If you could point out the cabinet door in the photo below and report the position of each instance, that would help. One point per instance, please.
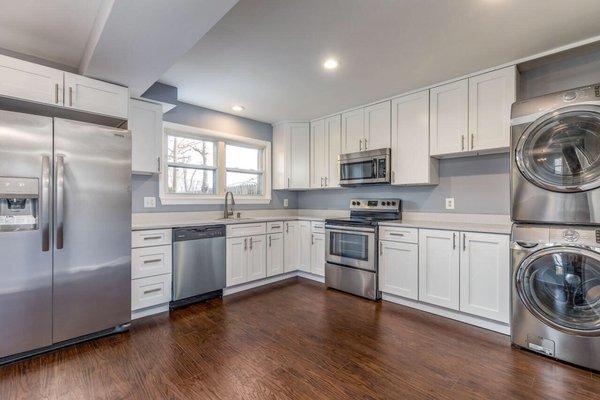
(353, 131)
(377, 126)
(237, 261)
(280, 157)
(145, 123)
(32, 82)
(333, 130)
(449, 118)
(257, 257)
(318, 153)
(299, 154)
(317, 254)
(291, 246)
(411, 163)
(490, 98)
(91, 95)
(305, 245)
(485, 275)
(439, 267)
(274, 254)
(399, 269)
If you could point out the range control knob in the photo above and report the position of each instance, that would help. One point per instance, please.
(358, 203)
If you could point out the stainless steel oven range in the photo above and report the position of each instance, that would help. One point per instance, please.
(351, 258)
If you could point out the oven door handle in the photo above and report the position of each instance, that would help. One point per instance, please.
(342, 229)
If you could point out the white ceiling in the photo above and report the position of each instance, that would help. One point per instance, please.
(56, 30)
(267, 54)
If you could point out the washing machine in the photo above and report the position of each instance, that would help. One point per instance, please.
(555, 158)
(555, 297)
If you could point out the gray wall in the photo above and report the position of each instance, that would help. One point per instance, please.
(479, 185)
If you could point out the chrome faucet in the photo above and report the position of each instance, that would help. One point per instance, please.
(228, 212)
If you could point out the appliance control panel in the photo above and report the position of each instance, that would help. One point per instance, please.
(387, 205)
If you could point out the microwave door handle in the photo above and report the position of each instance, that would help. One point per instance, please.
(375, 173)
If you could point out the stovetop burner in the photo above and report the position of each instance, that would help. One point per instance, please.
(371, 212)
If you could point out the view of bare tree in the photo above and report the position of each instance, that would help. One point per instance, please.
(186, 151)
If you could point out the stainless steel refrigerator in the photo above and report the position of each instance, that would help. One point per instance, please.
(65, 232)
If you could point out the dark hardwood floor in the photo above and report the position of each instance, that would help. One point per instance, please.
(296, 340)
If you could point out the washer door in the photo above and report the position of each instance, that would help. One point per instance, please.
(561, 287)
(560, 151)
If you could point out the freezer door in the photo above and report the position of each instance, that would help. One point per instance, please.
(92, 249)
(25, 251)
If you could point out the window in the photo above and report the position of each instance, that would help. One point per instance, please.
(200, 166)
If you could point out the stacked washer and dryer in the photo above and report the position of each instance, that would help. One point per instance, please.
(555, 242)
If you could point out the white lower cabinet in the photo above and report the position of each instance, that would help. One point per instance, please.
(439, 268)
(305, 246)
(317, 254)
(291, 246)
(246, 259)
(275, 254)
(485, 275)
(257, 260)
(151, 291)
(399, 268)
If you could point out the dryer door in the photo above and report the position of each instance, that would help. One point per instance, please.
(560, 151)
(561, 287)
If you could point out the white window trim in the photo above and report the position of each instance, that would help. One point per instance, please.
(221, 137)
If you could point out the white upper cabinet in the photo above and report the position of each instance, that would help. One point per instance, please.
(317, 254)
(86, 94)
(377, 126)
(353, 131)
(439, 267)
(333, 130)
(490, 99)
(411, 163)
(449, 118)
(319, 154)
(275, 254)
(145, 124)
(399, 269)
(31, 82)
(291, 246)
(485, 275)
(291, 155)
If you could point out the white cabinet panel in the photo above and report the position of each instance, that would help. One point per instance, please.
(153, 237)
(151, 261)
(86, 94)
(32, 82)
(353, 131)
(399, 234)
(319, 153)
(411, 163)
(449, 118)
(299, 154)
(145, 124)
(305, 240)
(490, 98)
(485, 275)
(439, 268)
(151, 291)
(399, 269)
(259, 228)
(291, 246)
(275, 227)
(333, 130)
(377, 126)
(280, 167)
(257, 257)
(317, 254)
(275, 254)
(236, 261)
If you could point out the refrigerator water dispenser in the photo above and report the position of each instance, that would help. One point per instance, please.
(18, 204)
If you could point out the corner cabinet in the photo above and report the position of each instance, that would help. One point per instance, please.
(145, 124)
(291, 155)
(325, 148)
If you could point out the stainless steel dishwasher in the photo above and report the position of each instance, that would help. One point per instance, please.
(198, 263)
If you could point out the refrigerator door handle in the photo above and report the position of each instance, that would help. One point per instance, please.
(60, 200)
(45, 203)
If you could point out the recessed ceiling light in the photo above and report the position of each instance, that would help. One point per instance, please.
(238, 108)
(330, 63)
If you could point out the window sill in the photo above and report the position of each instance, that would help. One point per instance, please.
(169, 200)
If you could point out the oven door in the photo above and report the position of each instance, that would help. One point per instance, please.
(350, 246)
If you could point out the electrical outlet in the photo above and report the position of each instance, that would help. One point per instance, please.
(449, 203)
(285, 202)
(149, 202)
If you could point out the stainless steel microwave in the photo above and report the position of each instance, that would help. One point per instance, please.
(365, 167)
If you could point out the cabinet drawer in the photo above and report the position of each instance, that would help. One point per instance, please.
(151, 261)
(155, 237)
(237, 230)
(275, 227)
(399, 234)
(152, 291)
(317, 227)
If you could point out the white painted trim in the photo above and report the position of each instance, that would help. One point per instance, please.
(144, 312)
(99, 23)
(312, 277)
(452, 314)
(261, 282)
(483, 71)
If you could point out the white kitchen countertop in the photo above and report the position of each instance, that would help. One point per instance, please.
(200, 222)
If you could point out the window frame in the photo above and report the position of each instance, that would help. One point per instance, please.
(221, 139)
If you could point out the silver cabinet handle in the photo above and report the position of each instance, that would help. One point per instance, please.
(365, 139)
(270, 239)
(462, 142)
(275, 226)
(360, 145)
(245, 243)
(154, 260)
(287, 227)
(326, 179)
(464, 242)
(380, 248)
(453, 241)
(152, 290)
(472, 141)
(250, 243)
(312, 238)
(70, 96)
(396, 234)
(45, 203)
(288, 179)
(60, 201)
(158, 164)
(321, 181)
(56, 93)
(152, 237)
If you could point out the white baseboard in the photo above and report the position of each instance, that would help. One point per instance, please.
(444, 312)
(149, 311)
(258, 283)
(313, 277)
